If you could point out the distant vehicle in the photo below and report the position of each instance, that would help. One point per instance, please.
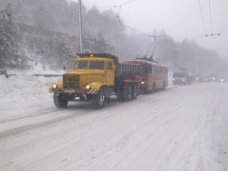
(205, 79)
(154, 75)
(197, 78)
(181, 77)
(213, 78)
(222, 80)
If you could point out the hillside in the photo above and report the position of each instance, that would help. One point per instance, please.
(102, 32)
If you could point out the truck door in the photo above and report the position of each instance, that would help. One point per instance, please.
(110, 73)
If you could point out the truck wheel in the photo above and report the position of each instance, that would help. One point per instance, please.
(154, 88)
(135, 91)
(98, 100)
(164, 85)
(120, 96)
(127, 93)
(60, 101)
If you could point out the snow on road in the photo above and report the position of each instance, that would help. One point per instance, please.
(179, 129)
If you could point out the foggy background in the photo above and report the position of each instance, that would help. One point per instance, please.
(46, 32)
(180, 19)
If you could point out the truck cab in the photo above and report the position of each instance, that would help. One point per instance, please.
(91, 75)
(181, 78)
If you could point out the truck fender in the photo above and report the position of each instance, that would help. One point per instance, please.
(94, 87)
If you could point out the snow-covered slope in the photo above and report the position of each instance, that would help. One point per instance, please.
(24, 93)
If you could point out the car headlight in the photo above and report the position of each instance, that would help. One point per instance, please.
(173, 79)
(87, 87)
(142, 82)
(184, 80)
(54, 86)
(222, 80)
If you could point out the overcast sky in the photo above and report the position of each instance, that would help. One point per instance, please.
(179, 18)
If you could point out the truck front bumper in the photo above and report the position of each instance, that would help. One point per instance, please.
(67, 91)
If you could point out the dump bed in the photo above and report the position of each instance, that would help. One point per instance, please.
(125, 69)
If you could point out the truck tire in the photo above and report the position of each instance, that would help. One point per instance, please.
(127, 93)
(119, 96)
(154, 88)
(164, 85)
(134, 91)
(98, 100)
(60, 101)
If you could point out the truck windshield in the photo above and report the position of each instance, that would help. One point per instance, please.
(90, 65)
(81, 65)
(96, 65)
(179, 74)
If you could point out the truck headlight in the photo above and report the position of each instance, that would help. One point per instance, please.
(54, 86)
(142, 82)
(87, 87)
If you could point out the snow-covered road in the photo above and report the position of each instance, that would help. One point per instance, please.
(179, 129)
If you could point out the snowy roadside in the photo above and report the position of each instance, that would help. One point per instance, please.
(24, 94)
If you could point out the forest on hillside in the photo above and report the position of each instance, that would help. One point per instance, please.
(103, 32)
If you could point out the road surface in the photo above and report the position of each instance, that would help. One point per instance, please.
(183, 128)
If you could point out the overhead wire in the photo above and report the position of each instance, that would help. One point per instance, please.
(143, 33)
(120, 6)
(202, 18)
(210, 15)
(211, 25)
(128, 2)
(212, 41)
(203, 22)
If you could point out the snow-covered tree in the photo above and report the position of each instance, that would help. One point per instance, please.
(8, 40)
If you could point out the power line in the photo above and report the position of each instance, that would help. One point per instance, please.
(128, 2)
(141, 32)
(202, 18)
(203, 22)
(152, 43)
(211, 28)
(120, 6)
(136, 30)
(209, 5)
(211, 34)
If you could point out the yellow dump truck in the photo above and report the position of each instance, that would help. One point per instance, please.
(96, 77)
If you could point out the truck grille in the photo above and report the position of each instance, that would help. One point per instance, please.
(71, 81)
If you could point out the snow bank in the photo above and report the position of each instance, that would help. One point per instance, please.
(24, 87)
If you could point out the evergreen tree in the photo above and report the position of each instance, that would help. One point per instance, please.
(8, 41)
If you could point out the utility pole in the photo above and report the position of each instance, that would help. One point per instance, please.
(80, 25)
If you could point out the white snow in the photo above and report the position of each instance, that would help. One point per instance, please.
(181, 128)
(24, 93)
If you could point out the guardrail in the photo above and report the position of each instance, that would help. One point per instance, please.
(4, 72)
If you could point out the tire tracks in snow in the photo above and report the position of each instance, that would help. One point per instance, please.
(55, 117)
